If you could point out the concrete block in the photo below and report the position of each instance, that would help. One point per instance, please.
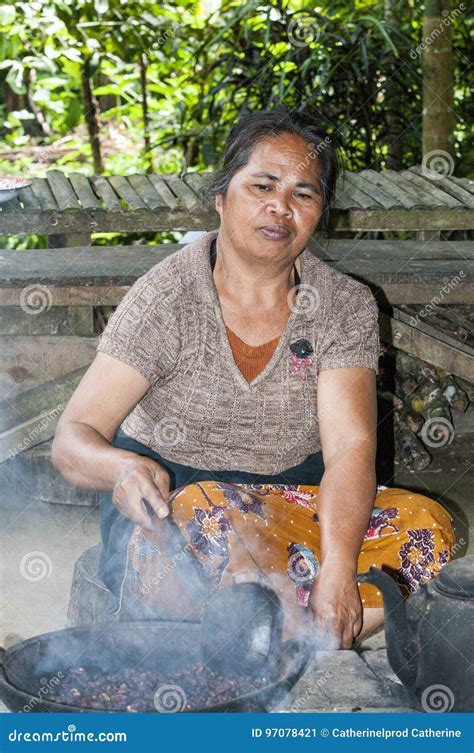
(340, 681)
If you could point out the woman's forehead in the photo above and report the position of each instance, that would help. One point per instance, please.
(282, 155)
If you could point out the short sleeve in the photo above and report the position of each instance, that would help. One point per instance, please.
(352, 336)
(143, 331)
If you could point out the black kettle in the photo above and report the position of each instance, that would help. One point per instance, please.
(430, 643)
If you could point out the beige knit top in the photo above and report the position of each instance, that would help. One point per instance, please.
(200, 410)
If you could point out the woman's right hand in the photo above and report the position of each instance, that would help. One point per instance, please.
(141, 479)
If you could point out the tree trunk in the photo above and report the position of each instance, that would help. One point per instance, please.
(146, 119)
(438, 112)
(91, 112)
(393, 119)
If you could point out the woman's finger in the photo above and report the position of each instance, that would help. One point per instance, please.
(154, 497)
(357, 627)
(135, 511)
(347, 637)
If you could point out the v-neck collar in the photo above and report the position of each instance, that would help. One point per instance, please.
(226, 347)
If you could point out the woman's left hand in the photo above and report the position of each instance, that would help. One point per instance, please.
(336, 607)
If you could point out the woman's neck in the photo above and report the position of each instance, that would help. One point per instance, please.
(258, 286)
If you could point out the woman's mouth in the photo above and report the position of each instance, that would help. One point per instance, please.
(275, 232)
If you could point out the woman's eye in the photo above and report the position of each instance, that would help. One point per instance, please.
(262, 186)
(303, 195)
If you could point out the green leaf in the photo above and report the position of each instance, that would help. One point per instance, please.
(382, 30)
(7, 15)
(14, 78)
(73, 114)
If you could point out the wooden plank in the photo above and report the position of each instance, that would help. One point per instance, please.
(162, 189)
(334, 249)
(465, 183)
(36, 430)
(399, 291)
(407, 187)
(413, 319)
(105, 191)
(89, 278)
(26, 362)
(69, 239)
(205, 218)
(146, 191)
(43, 193)
(81, 295)
(197, 182)
(349, 196)
(118, 221)
(62, 190)
(84, 192)
(28, 199)
(31, 418)
(454, 360)
(399, 197)
(406, 219)
(449, 186)
(43, 397)
(86, 265)
(391, 270)
(123, 188)
(57, 320)
(441, 198)
(115, 264)
(380, 197)
(184, 194)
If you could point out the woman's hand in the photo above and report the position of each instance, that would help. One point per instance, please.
(337, 608)
(142, 479)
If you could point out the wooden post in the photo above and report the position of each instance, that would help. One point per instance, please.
(438, 106)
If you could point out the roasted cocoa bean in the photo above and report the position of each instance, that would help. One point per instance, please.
(134, 690)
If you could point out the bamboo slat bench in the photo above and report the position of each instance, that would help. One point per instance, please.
(69, 209)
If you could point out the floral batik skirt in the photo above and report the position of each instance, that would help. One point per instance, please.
(270, 533)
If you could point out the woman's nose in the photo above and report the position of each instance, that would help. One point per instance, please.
(279, 204)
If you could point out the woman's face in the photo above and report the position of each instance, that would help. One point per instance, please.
(273, 204)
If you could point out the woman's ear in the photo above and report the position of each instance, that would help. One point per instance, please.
(219, 204)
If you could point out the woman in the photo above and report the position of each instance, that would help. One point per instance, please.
(226, 376)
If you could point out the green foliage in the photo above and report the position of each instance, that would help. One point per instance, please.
(200, 69)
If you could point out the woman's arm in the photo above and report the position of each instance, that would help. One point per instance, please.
(347, 412)
(82, 449)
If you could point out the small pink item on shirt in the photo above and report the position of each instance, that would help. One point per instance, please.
(299, 366)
